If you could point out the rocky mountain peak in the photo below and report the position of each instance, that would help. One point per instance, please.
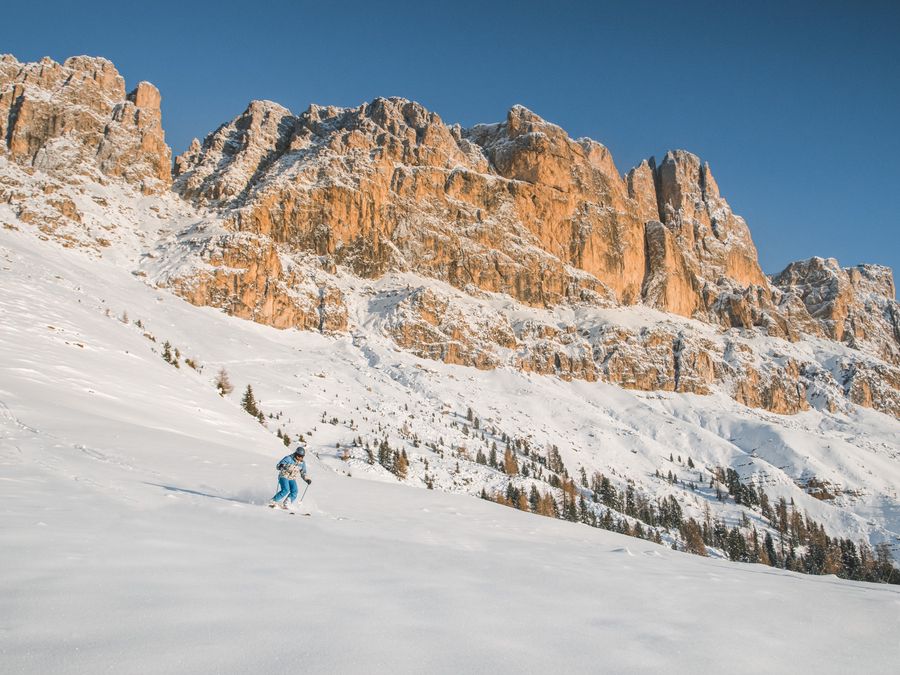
(222, 167)
(146, 97)
(520, 120)
(395, 114)
(701, 260)
(75, 117)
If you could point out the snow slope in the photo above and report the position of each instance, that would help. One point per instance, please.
(133, 538)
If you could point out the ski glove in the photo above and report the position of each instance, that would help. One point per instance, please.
(308, 481)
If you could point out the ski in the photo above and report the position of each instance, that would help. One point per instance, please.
(275, 507)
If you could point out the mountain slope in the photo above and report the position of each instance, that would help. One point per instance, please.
(134, 533)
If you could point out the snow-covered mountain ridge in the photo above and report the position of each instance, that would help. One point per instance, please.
(506, 247)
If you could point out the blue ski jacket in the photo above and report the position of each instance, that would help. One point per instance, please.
(290, 468)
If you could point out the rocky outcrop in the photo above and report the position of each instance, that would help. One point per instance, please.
(247, 280)
(245, 277)
(715, 240)
(434, 327)
(873, 385)
(660, 357)
(76, 118)
(670, 284)
(854, 305)
(700, 258)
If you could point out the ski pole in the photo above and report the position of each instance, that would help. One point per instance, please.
(304, 492)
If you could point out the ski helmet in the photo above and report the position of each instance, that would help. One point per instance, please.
(300, 451)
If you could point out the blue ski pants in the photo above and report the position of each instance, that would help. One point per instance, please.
(288, 487)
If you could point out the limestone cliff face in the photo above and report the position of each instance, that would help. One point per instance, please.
(700, 257)
(245, 277)
(389, 186)
(516, 207)
(570, 197)
(300, 208)
(716, 241)
(76, 118)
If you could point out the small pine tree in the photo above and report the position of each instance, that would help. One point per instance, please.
(248, 402)
(534, 499)
(223, 384)
(167, 352)
(385, 455)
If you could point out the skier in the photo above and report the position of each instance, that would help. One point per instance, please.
(289, 468)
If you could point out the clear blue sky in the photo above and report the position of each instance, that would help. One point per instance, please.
(796, 105)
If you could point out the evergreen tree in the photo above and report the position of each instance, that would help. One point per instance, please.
(585, 515)
(248, 402)
(386, 455)
(223, 384)
(736, 545)
(570, 507)
(769, 547)
(534, 499)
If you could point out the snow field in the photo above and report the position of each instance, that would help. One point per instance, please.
(135, 539)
